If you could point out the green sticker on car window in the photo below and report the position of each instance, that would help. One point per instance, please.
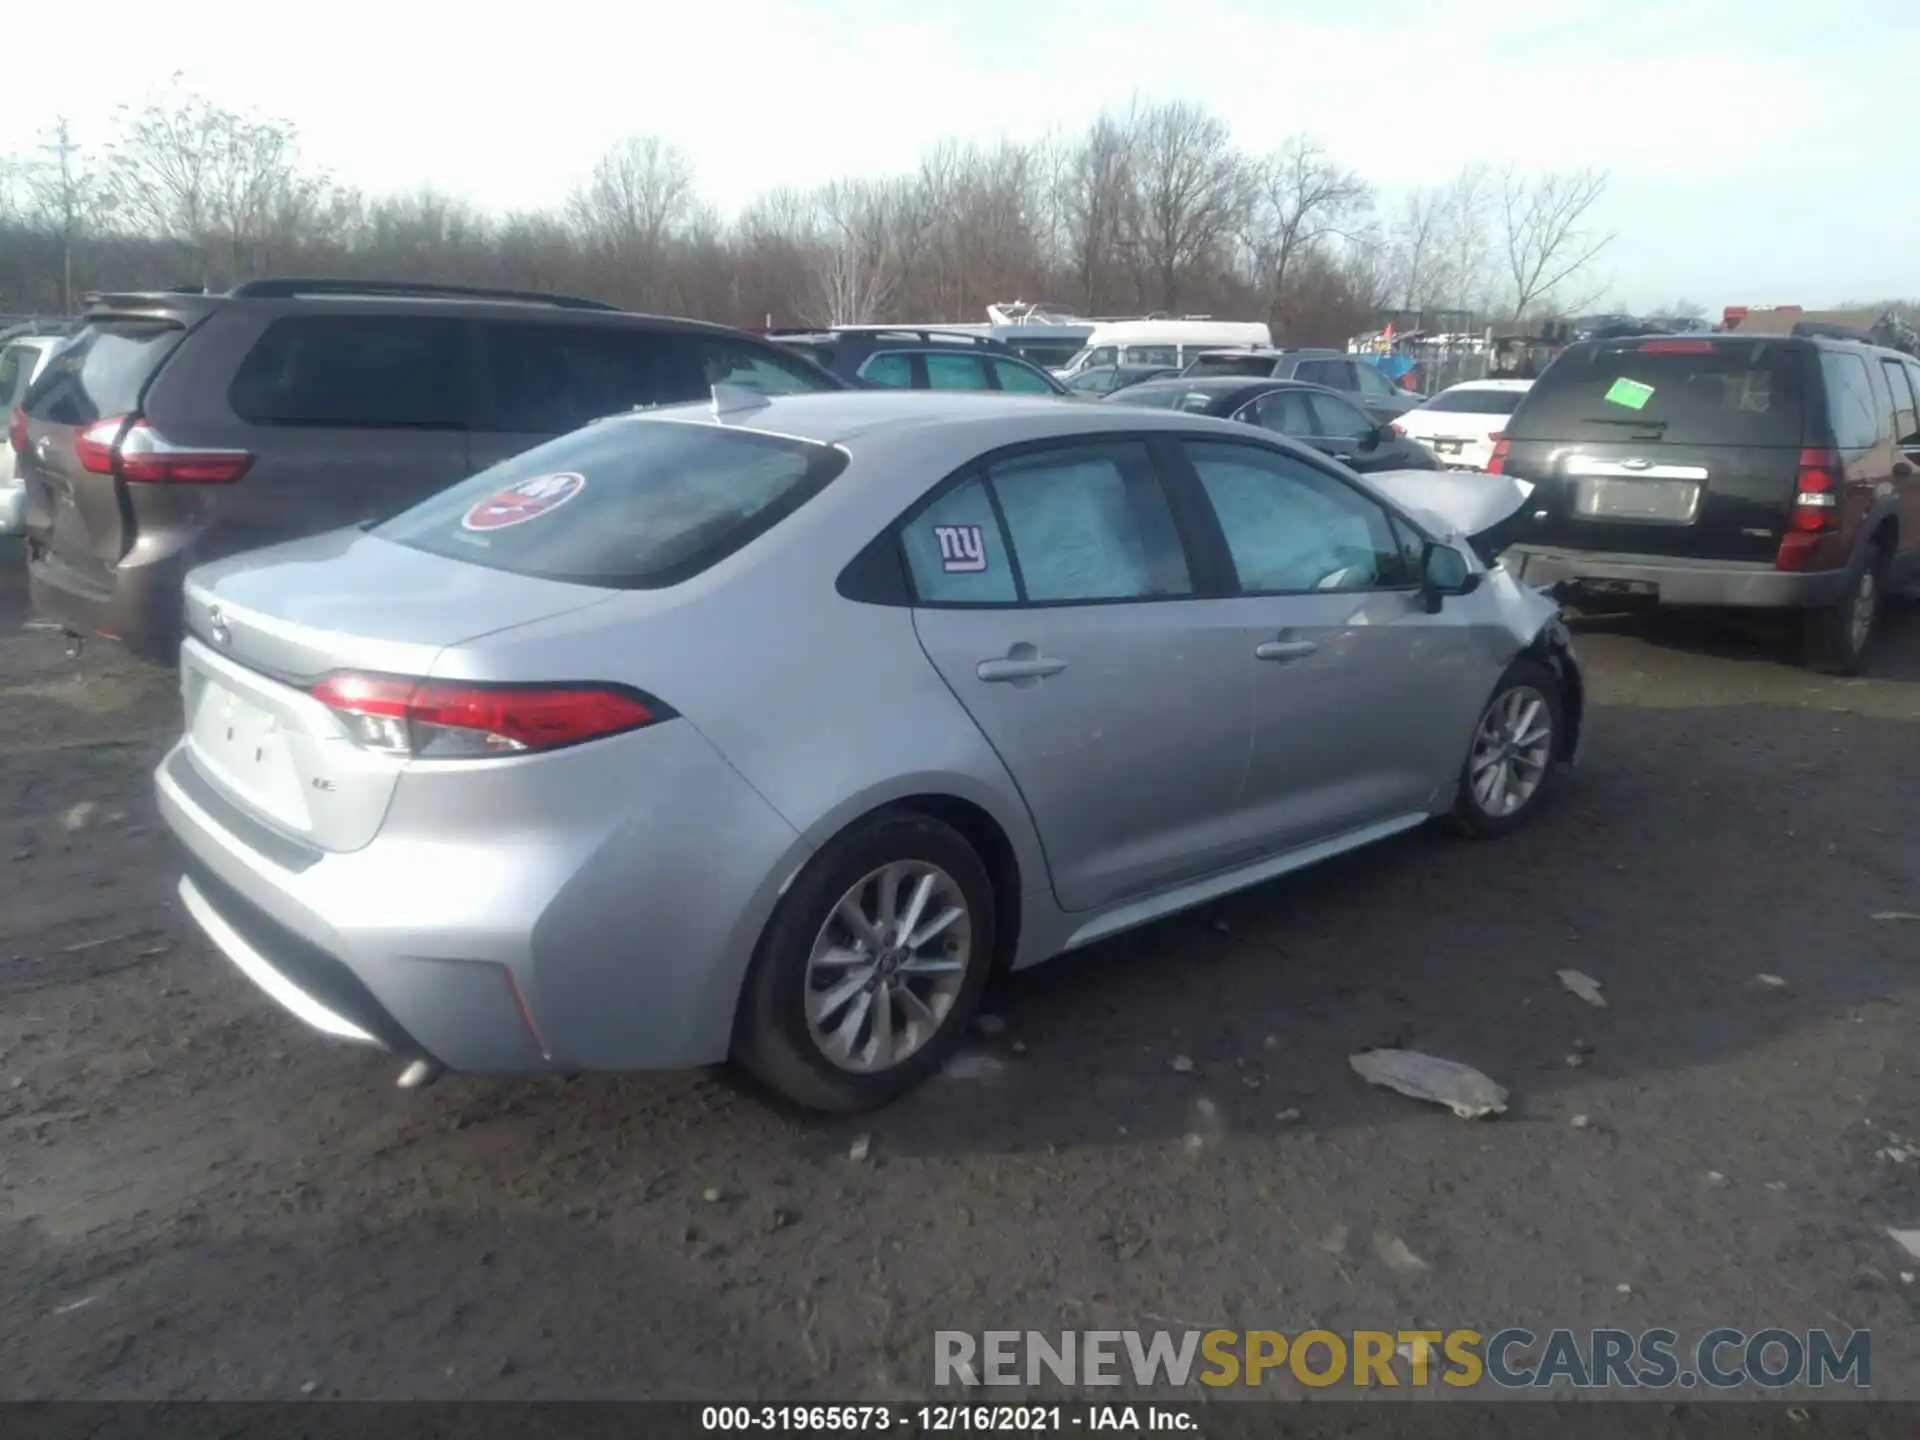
(1630, 393)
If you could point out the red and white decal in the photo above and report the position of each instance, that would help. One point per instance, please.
(528, 500)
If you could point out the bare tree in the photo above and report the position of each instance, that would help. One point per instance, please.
(1546, 231)
(65, 195)
(1097, 207)
(223, 187)
(639, 195)
(1189, 194)
(856, 263)
(1302, 197)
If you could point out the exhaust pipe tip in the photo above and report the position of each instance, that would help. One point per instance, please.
(420, 1074)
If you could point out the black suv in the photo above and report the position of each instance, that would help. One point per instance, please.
(1773, 471)
(177, 428)
(1355, 377)
(893, 357)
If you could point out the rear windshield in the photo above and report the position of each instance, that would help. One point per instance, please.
(1230, 365)
(1708, 393)
(102, 372)
(1477, 402)
(625, 504)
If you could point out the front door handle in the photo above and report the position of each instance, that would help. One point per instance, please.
(1284, 649)
(1034, 667)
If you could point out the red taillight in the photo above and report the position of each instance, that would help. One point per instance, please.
(93, 446)
(443, 720)
(17, 430)
(1816, 497)
(1496, 436)
(140, 455)
(1815, 517)
(1675, 347)
(1497, 462)
(1394, 430)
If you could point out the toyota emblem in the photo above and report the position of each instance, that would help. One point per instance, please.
(218, 628)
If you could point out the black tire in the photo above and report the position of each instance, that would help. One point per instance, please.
(771, 1038)
(1469, 816)
(1832, 641)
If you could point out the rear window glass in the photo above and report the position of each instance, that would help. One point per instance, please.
(624, 504)
(1171, 397)
(102, 372)
(1732, 393)
(358, 371)
(1477, 402)
(1255, 365)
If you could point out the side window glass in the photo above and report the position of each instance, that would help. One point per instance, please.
(762, 368)
(549, 379)
(1849, 401)
(1291, 528)
(891, 368)
(1912, 440)
(363, 371)
(1019, 379)
(1284, 412)
(16, 364)
(1321, 372)
(1339, 420)
(1105, 355)
(955, 372)
(1152, 355)
(1904, 424)
(1097, 381)
(1372, 382)
(954, 551)
(1090, 522)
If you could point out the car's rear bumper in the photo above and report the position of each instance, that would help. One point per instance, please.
(138, 605)
(613, 936)
(1671, 580)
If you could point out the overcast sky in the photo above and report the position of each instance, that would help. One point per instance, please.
(1760, 149)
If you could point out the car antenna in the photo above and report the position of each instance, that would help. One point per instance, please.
(732, 399)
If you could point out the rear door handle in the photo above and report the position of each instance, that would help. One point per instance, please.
(1027, 669)
(1284, 649)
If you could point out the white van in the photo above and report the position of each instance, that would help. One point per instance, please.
(1162, 342)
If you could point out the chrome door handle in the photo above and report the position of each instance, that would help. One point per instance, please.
(1284, 649)
(1033, 669)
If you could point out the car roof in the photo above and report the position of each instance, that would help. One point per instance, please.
(1507, 384)
(1222, 387)
(837, 417)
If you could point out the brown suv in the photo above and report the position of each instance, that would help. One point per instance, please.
(177, 428)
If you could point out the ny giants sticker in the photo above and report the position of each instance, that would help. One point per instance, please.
(528, 500)
(963, 550)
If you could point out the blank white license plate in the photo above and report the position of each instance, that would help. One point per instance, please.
(243, 744)
(1670, 502)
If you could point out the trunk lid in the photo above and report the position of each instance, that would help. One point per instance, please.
(76, 516)
(265, 626)
(1664, 447)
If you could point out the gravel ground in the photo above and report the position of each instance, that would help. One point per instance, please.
(199, 1198)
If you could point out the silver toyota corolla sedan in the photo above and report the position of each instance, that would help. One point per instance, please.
(769, 729)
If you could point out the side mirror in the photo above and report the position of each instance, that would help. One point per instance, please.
(1444, 572)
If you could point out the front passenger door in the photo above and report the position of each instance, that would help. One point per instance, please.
(1363, 702)
(1054, 594)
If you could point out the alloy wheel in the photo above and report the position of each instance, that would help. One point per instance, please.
(888, 965)
(1511, 751)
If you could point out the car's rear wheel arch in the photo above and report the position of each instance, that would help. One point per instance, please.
(991, 843)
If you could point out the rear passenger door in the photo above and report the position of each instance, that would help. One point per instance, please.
(359, 415)
(1055, 594)
(1903, 379)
